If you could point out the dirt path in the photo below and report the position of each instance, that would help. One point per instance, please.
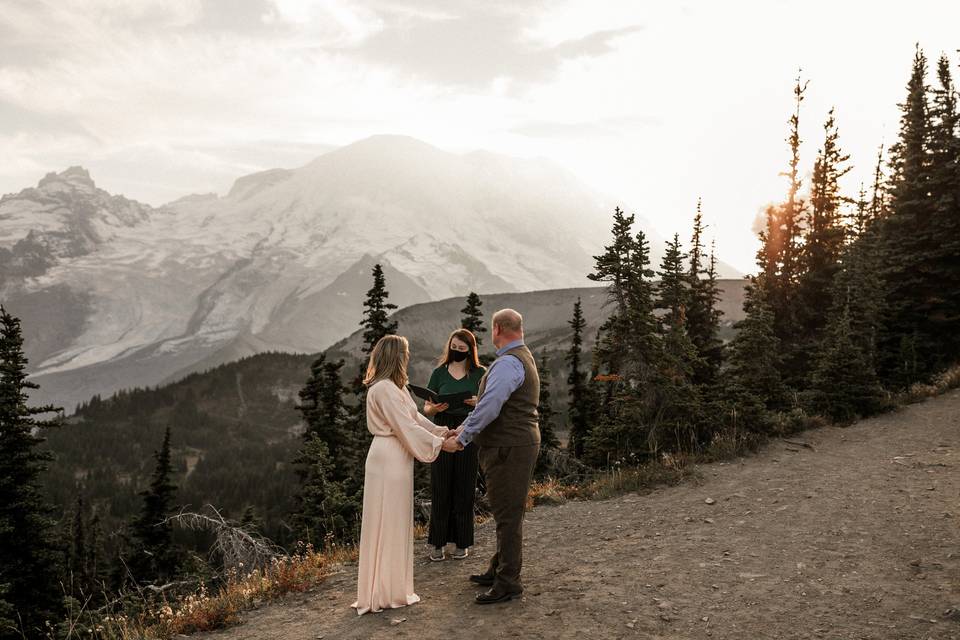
(856, 538)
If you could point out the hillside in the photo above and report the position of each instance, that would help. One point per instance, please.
(235, 427)
(852, 536)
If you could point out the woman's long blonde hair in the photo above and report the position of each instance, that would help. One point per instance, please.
(388, 361)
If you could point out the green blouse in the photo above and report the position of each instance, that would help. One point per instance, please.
(442, 382)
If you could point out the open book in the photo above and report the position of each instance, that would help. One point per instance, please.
(455, 400)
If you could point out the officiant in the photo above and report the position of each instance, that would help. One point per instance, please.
(453, 476)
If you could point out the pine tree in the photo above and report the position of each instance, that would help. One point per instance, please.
(328, 500)
(678, 419)
(845, 384)
(703, 315)
(96, 565)
(29, 592)
(779, 257)
(79, 553)
(155, 558)
(250, 520)
(754, 386)
(327, 511)
(878, 199)
(627, 355)
(941, 252)
(376, 321)
(579, 410)
(322, 405)
(549, 442)
(825, 238)
(473, 317)
(906, 344)
(673, 290)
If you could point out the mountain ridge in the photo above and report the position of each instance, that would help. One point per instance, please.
(277, 262)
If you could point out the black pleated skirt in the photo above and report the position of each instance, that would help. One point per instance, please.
(453, 482)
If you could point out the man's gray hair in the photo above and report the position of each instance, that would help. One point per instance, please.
(508, 320)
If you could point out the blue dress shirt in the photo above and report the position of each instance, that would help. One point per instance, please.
(504, 377)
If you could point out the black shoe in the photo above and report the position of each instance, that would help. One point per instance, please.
(492, 597)
(482, 579)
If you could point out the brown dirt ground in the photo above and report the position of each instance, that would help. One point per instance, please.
(858, 537)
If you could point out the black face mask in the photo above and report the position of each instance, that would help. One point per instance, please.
(458, 356)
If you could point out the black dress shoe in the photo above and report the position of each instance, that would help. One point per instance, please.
(492, 597)
(482, 579)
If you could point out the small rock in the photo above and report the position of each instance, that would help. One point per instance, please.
(710, 501)
(630, 625)
(953, 613)
(397, 621)
(705, 619)
(708, 520)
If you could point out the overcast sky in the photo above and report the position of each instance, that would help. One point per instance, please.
(653, 103)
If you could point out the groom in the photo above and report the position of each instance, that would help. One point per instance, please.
(505, 425)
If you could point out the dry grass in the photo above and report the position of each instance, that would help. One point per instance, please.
(205, 611)
(941, 383)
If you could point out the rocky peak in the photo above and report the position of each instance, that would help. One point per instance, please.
(75, 179)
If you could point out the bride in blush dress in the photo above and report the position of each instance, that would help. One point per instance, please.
(401, 433)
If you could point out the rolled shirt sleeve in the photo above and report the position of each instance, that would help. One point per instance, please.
(505, 376)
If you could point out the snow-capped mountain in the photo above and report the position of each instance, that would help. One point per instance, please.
(115, 294)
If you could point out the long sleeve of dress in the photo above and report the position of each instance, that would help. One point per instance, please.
(428, 424)
(395, 409)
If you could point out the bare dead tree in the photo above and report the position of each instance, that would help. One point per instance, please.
(239, 548)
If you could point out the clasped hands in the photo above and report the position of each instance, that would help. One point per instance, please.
(450, 442)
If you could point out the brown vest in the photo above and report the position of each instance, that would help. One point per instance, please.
(518, 423)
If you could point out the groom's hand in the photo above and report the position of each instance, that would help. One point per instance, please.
(451, 445)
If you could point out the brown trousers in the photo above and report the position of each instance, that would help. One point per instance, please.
(508, 471)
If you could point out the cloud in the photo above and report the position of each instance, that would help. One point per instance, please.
(475, 44)
(612, 126)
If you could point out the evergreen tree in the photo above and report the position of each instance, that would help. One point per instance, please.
(327, 512)
(677, 424)
(941, 254)
(549, 442)
(322, 406)
(376, 321)
(328, 500)
(878, 199)
(29, 593)
(473, 317)
(906, 344)
(779, 257)
(703, 315)
(825, 238)
(845, 384)
(155, 558)
(861, 217)
(754, 386)
(78, 555)
(673, 290)
(250, 520)
(627, 355)
(579, 410)
(96, 566)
